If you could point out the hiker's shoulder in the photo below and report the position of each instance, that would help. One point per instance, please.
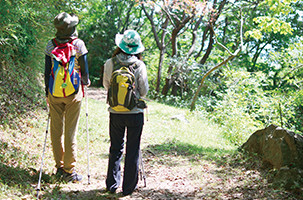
(140, 62)
(80, 46)
(140, 65)
(109, 62)
(50, 43)
(78, 42)
(49, 47)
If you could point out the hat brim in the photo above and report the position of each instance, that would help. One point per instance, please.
(129, 50)
(74, 21)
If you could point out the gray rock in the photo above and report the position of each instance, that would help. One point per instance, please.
(277, 147)
(180, 117)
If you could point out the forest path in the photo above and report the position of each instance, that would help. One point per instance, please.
(182, 176)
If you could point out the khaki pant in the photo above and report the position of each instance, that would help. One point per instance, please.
(64, 113)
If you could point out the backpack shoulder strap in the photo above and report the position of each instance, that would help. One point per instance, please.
(133, 67)
(54, 41)
(116, 63)
(72, 40)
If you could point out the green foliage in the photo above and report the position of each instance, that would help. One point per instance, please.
(19, 69)
(24, 30)
(285, 77)
(274, 22)
(244, 106)
(295, 119)
(21, 94)
(238, 107)
(269, 24)
(279, 7)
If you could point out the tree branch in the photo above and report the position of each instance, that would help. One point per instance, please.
(232, 55)
(150, 18)
(168, 15)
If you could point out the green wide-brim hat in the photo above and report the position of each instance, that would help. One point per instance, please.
(130, 42)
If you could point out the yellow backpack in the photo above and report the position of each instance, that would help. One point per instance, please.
(121, 94)
(64, 79)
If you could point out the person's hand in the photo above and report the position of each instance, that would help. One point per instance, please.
(88, 83)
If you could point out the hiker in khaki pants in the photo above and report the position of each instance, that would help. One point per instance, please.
(68, 109)
(65, 110)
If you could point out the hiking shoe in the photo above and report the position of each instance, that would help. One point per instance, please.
(129, 192)
(124, 193)
(112, 191)
(59, 172)
(73, 177)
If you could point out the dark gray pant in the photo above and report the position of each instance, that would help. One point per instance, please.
(133, 124)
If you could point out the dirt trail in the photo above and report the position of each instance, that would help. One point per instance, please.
(97, 94)
(162, 181)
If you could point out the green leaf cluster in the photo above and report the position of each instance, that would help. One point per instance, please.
(25, 27)
(275, 21)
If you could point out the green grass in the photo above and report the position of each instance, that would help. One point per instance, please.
(196, 130)
(194, 137)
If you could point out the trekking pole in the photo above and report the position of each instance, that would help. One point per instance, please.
(87, 135)
(142, 173)
(40, 175)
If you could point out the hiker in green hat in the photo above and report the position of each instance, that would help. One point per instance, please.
(128, 56)
(64, 99)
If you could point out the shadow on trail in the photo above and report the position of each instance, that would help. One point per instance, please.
(189, 151)
(227, 174)
(102, 194)
(12, 174)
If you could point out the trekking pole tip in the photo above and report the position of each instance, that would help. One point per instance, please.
(38, 193)
(88, 177)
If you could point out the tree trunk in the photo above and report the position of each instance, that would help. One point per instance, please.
(162, 47)
(160, 70)
(160, 43)
(168, 80)
(166, 87)
(209, 48)
(214, 18)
